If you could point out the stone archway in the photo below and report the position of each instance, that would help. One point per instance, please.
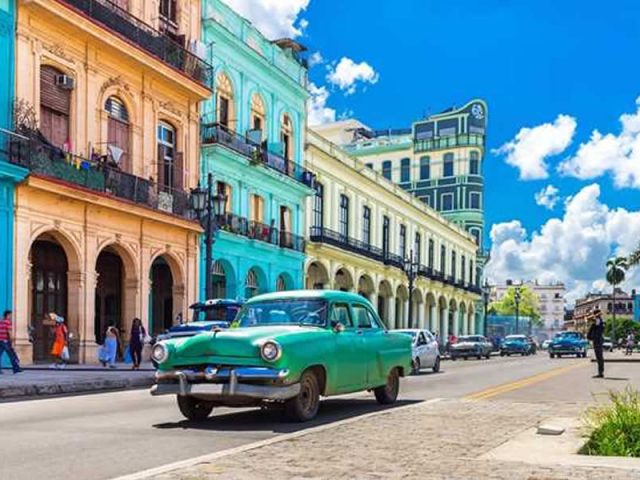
(168, 293)
(366, 287)
(224, 280)
(386, 305)
(402, 307)
(343, 280)
(317, 276)
(284, 282)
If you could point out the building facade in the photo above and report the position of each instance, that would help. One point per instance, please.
(439, 160)
(551, 303)
(584, 307)
(109, 132)
(252, 142)
(364, 228)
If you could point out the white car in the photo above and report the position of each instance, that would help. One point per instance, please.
(426, 353)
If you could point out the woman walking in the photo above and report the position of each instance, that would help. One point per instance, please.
(136, 342)
(110, 347)
(60, 349)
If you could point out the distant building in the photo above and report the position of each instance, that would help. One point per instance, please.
(550, 297)
(624, 304)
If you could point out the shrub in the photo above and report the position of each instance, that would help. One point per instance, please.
(615, 428)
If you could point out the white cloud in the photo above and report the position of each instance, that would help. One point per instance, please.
(318, 112)
(531, 147)
(572, 249)
(346, 74)
(315, 59)
(548, 197)
(274, 18)
(618, 155)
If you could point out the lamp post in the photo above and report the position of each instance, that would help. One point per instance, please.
(411, 270)
(208, 208)
(516, 299)
(486, 294)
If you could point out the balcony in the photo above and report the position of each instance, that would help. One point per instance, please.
(259, 231)
(152, 41)
(331, 237)
(442, 143)
(45, 160)
(394, 260)
(218, 134)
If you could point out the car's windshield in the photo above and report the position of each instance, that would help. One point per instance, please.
(216, 313)
(515, 337)
(568, 335)
(283, 312)
(469, 339)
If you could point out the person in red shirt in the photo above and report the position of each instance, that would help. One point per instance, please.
(5, 342)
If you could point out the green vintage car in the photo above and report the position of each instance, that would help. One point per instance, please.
(285, 348)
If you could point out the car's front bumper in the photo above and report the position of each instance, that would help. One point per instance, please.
(567, 350)
(465, 353)
(226, 383)
(514, 349)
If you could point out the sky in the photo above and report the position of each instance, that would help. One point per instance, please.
(562, 81)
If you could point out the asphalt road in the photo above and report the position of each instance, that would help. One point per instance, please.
(105, 435)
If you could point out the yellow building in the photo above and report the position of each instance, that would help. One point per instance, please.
(364, 230)
(108, 96)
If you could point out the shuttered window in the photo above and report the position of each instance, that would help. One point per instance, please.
(118, 132)
(55, 107)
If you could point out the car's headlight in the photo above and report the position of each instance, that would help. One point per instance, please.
(160, 353)
(271, 351)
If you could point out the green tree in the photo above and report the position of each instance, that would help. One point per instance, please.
(527, 307)
(616, 268)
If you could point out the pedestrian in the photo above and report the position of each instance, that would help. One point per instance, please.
(596, 335)
(60, 349)
(631, 341)
(136, 342)
(110, 347)
(5, 342)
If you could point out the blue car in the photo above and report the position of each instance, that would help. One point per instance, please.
(515, 345)
(568, 343)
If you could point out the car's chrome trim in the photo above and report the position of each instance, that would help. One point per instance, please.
(216, 391)
(211, 373)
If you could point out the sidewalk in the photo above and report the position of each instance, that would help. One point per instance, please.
(442, 440)
(40, 380)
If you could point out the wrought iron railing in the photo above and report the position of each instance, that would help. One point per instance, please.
(394, 260)
(145, 36)
(461, 140)
(216, 133)
(260, 231)
(331, 237)
(41, 158)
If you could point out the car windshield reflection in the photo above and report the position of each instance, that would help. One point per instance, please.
(283, 312)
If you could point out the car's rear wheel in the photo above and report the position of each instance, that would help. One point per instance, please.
(488, 356)
(502, 354)
(436, 366)
(552, 355)
(388, 393)
(194, 409)
(479, 357)
(304, 406)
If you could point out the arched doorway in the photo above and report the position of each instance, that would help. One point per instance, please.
(161, 296)
(317, 276)
(254, 283)
(49, 287)
(385, 295)
(109, 293)
(219, 281)
(344, 280)
(284, 282)
(365, 286)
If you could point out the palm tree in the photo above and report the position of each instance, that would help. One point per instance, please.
(616, 268)
(634, 259)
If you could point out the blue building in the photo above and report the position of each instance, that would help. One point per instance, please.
(252, 141)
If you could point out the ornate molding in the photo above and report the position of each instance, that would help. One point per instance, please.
(57, 50)
(115, 82)
(171, 108)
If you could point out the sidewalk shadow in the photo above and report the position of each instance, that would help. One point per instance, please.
(619, 379)
(271, 419)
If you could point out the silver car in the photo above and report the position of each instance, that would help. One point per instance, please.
(426, 353)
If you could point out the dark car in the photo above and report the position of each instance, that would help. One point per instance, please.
(515, 345)
(471, 346)
(568, 343)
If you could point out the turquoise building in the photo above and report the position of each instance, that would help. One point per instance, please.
(252, 142)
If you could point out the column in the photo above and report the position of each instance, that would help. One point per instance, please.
(405, 314)
(421, 307)
(444, 330)
(456, 322)
(472, 323)
(433, 318)
(373, 298)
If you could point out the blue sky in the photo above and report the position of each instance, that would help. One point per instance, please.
(562, 68)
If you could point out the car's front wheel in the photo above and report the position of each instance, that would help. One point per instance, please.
(304, 406)
(388, 393)
(194, 409)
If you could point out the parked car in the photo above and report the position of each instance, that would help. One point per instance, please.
(285, 348)
(426, 353)
(515, 345)
(533, 343)
(471, 346)
(607, 344)
(545, 344)
(568, 343)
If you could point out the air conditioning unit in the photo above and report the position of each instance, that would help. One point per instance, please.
(65, 81)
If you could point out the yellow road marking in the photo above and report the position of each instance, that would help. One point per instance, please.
(525, 382)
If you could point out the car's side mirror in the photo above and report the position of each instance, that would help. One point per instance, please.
(337, 327)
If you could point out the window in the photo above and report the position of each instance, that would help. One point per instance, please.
(286, 137)
(403, 241)
(369, 165)
(118, 132)
(422, 340)
(447, 202)
(427, 200)
(219, 281)
(318, 208)
(258, 115)
(386, 169)
(286, 240)
(364, 318)
(170, 169)
(405, 170)
(448, 165)
(417, 247)
(471, 271)
(256, 208)
(385, 235)
(431, 252)
(344, 217)
(474, 200)
(340, 315)
(454, 266)
(463, 268)
(443, 259)
(251, 286)
(168, 10)
(55, 107)
(366, 225)
(226, 190)
(225, 108)
(425, 168)
(476, 235)
(474, 163)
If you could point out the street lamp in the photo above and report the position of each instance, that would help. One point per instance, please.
(411, 270)
(208, 209)
(486, 295)
(516, 298)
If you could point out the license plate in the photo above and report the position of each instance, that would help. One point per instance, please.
(207, 388)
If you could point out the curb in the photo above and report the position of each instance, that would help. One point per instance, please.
(88, 386)
(192, 462)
